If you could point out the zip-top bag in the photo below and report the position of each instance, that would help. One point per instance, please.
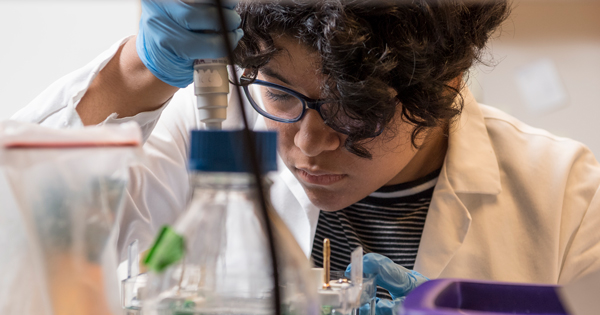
(61, 192)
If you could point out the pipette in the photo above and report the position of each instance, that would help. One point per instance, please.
(211, 86)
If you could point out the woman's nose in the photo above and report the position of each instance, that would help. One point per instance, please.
(314, 136)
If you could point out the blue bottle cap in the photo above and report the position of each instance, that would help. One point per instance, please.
(225, 151)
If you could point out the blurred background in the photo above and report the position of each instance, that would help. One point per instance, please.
(547, 68)
(43, 40)
(545, 61)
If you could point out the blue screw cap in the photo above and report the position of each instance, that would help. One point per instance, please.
(226, 151)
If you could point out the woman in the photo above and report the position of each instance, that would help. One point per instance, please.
(393, 153)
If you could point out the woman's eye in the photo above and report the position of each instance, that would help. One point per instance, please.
(278, 96)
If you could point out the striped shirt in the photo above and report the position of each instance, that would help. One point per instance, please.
(389, 222)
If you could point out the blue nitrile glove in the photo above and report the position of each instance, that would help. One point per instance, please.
(398, 280)
(174, 33)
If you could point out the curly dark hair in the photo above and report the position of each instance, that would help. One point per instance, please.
(415, 47)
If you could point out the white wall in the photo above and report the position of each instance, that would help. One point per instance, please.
(568, 34)
(43, 40)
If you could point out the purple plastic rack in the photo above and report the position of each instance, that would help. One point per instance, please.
(469, 297)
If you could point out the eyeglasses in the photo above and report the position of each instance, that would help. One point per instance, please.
(279, 103)
(285, 105)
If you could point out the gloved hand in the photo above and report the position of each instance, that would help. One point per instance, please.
(398, 280)
(174, 33)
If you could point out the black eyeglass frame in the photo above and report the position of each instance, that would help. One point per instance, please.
(307, 102)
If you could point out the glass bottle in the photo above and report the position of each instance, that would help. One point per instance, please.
(215, 258)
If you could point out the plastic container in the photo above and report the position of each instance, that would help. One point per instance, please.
(58, 241)
(467, 297)
(332, 301)
(215, 258)
(340, 295)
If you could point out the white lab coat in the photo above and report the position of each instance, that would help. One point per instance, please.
(512, 202)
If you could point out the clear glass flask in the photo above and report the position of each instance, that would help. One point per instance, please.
(215, 259)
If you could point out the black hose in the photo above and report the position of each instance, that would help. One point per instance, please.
(256, 171)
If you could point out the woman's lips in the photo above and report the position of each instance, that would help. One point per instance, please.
(319, 178)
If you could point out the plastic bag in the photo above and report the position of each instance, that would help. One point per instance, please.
(61, 193)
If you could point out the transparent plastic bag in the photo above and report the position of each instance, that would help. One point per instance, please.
(64, 191)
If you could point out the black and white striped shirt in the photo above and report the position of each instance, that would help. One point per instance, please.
(389, 222)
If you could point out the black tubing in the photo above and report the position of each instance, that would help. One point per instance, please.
(251, 149)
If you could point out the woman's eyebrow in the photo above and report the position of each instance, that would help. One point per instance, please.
(271, 73)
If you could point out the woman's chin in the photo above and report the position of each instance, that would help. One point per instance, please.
(329, 200)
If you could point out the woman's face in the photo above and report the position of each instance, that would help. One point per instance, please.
(332, 177)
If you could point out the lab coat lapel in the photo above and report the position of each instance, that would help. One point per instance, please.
(470, 167)
(446, 226)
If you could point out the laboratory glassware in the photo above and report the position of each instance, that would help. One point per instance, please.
(215, 258)
(339, 295)
(132, 287)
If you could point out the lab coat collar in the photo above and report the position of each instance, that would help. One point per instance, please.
(471, 164)
(470, 167)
